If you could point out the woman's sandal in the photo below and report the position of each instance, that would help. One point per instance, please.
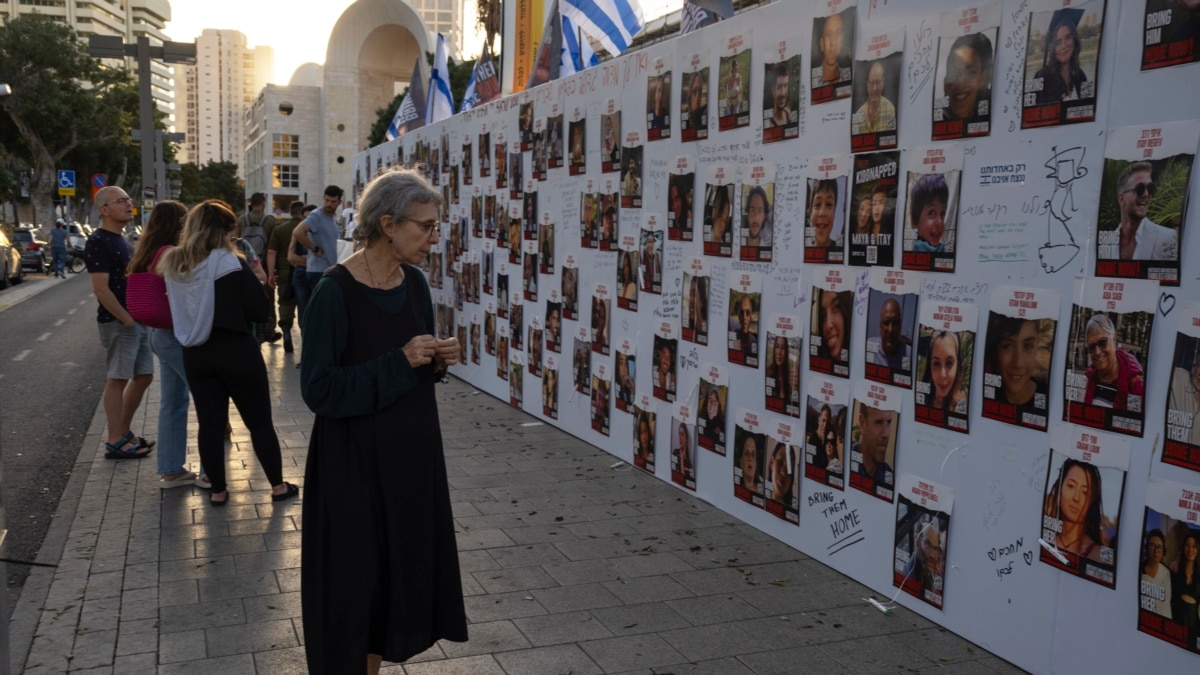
(143, 443)
(116, 451)
(212, 499)
(292, 491)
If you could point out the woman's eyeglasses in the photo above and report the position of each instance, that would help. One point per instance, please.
(427, 226)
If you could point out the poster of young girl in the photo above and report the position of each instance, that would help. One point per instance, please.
(945, 363)
(627, 273)
(749, 449)
(694, 321)
(710, 408)
(1017, 353)
(718, 210)
(922, 538)
(825, 210)
(782, 485)
(682, 433)
(666, 349)
(782, 375)
(1081, 508)
(745, 305)
(681, 184)
(829, 326)
(756, 235)
(644, 421)
(825, 430)
(892, 326)
(1169, 568)
(934, 176)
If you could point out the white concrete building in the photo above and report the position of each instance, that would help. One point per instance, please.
(213, 95)
(283, 145)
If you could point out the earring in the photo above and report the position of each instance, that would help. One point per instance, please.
(389, 240)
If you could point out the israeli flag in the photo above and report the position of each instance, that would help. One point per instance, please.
(441, 101)
(577, 53)
(469, 94)
(611, 22)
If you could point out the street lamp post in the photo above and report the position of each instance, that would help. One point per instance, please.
(112, 47)
(5, 90)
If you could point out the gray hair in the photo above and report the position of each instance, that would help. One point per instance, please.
(391, 194)
(1100, 322)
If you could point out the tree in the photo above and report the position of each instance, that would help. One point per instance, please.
(460, 76)
(214, 180)
(51, 112)
(491, 19)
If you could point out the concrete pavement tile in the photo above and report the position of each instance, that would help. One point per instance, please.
(794, 660)
(178, 618)
(666, 522)
(210, 547)
(99, 614)
(238, 509)
(270, 560)
(649, 564)
(280, 540)
(634, 651)
(558, 659)
(467, 665)
(647, 589)
(104, 585)
(651, 617)
(575, 598)
(726, 666)
(142, 575)
(141, 642)
(476, 561)
(272, 607)
(464, 510)
(881, 652)
(941, 646)
(995, 664)
(477, 539)
(530, 554)
(239, 527)
(140, 603)
(540, 534)
(470, 586)
(135, 663)
(196, 568)
(288, 580)
(572, 573)
(711, 582)
(860, 619)
(617, 527)
(282, 662)
(251, 637)
(584, 548)
(701, 643)
(94, 650)
(702, 556)
(214, 589)
(513, 579)
(239, 664)
(555, 629)
(496, 607)
(714, 609)
(487, 638)
(178, 592)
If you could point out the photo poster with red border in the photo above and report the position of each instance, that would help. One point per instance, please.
(945, 365)
(711, 408)
(825, 215)
(683, 447)
(632, 170)
(554, 322)
(609, 217)
(658, 99)
(745, 317)
(695, 312)
(485, 151)
(610, 136)
(627, 273)
(781, 377)
(1085, 483)
(1172, 34)
(489, 329)
(681, 215)
(1155, 161)
(734, 85)
(876, 178)
(570, 287)
(601, 319)
(529, 269)
(719, 196)
(933, 176)
(461, 336)
(877, 52)
(875, 424)
(652, 242)
(546, 243)
(963, 78)
(1099, 399)
(749, 450)
(516, 171)
(756, 234)
(476, 329)
(830, 325)
(1181, 427)
(534, 344)
(589, 216)
(782, 105)
(694, 88)
(831, 50)
(644, 421)
(550, 387)
(502, 158)
(1063, 35)
(923, 510)
(581, 361)
(516, 377)
(666, 356)
(601, 407)
(578, 150)
(1018, 355)
(1170, 534)
(892, 309)
(825, 446)
(539, 155)
(782, 485)
(625, 379)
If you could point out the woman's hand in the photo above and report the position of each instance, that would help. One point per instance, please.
(447, 352)
(420, 350)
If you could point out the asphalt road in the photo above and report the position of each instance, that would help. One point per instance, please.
(51, 379)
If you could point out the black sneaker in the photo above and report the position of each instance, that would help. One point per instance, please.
(274, 337)
(287, 344)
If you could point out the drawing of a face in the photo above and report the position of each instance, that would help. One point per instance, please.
(931, 223)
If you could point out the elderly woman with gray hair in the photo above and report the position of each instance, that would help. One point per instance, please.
(1114, 378)
(379, 566)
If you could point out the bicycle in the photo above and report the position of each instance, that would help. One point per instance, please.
(75, 263)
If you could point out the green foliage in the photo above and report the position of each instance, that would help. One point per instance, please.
(214, 180)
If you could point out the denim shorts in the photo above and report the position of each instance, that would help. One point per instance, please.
(128, 350)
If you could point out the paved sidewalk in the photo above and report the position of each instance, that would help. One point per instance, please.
(569, 566)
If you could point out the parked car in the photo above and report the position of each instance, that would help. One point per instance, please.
(35, 252)
(10, 261)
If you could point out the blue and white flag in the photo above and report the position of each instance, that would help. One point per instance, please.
(577, 53)
(408, 115)
(469, 95)
(441, 101)
(613, 23)
(700, 13)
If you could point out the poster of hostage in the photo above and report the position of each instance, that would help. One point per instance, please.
(830, 321)
(1172, 33)
(1170, 564)
(892, 326)
(1107, 349)
(876, 180)
(945, 364)
(1081, 507)
(782, 487)
(682, 433)
(922, 537)
(1143, 200)
(1182, 424)
(782, 377)
(1062, 55)
(825, 430)
(1017, 355)
(962, 84)
(875, 429)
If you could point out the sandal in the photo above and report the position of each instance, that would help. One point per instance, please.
(180, 480)
(212, 499)
(292, 491)
(115, 451)
(143, 443)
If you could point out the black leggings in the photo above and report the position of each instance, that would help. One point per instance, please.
(231, 365)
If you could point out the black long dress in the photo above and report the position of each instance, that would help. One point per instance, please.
(379, 564)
